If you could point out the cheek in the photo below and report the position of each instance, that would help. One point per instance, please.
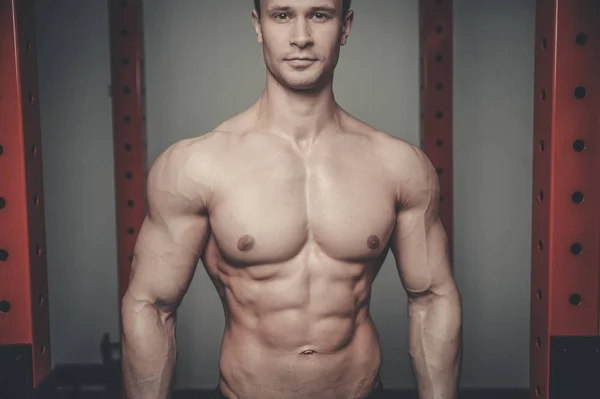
(273, 45)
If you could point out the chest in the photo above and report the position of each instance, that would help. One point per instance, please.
(270, 209)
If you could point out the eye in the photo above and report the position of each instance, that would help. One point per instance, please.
(320, 15)
(281, 16)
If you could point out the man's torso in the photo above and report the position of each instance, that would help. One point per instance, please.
(297, 237)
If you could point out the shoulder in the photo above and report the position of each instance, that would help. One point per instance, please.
(186, 168)
(184, 154)
(410, 169)
(401, 155)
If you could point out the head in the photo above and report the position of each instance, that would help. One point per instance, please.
(301, 39)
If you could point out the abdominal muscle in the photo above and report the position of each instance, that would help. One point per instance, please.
(298, 334)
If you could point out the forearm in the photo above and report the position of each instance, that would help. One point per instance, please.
(149, 351)
(435, 341)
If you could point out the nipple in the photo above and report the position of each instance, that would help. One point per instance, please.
(373, 242)
(246, 243)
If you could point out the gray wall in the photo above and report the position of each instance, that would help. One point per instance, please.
(493, 137)
(195, 79)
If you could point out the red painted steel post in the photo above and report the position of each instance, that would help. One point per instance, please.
(24, 317)
(436, 98)
(565, 235)
(126, 44)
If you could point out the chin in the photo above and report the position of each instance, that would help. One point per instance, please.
(300, 81)
(302, 85)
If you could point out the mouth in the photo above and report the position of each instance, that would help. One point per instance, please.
(301, 59)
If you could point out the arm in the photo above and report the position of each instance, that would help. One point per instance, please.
(167, 250)
(420, 248)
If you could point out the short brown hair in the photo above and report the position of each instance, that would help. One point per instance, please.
(345, 8)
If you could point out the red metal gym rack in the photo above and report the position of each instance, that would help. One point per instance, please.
(435, 23)
(24, 315)
(565, 236)
(126, 44)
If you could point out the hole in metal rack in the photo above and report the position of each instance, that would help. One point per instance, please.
(131, 231)
(129, 175)
(36, 200)
(439, 143)
(40, 300)
(544, 43)
(439, 115)
(579, 145)
(124, 32)
(581, 38)
(539, 294)
(538, 342)
(30, 97)
(33, 150)
(5, 307)
(439, 58)
(43, 349)
(575, 299)
(580, 92)
(540, 245)
(126, 90)
(128, 147)
(1, 150)
(127, 118)
(540, 196)
(439, 171)
(2, 203)
(125, 61)
(542, 145)
(543, 95)
(577, 197)
(439, 29)
(576, 249)
(538, 390)
(130, 203)
(38, 250)
(439, 86)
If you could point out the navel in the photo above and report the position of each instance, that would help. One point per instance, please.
(246, 243)
(373, 242)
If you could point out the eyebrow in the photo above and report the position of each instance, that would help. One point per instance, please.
(277, 7)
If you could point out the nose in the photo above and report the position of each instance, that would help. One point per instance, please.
(301, 36)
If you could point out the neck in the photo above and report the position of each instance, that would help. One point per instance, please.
(301, 115)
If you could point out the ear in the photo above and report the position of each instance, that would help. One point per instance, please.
(347, 26)
(257, 26)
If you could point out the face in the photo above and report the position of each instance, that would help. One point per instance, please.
(301, 40)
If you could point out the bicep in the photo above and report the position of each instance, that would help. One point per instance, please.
(165, 259)
(419, 242)
(174, 233)
(420, 248)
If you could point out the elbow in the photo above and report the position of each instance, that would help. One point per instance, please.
(446, 295)
(137, 313)
(437, 310)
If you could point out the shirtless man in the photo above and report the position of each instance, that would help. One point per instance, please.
(292, 206)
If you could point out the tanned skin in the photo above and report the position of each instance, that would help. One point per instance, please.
(292, 207)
